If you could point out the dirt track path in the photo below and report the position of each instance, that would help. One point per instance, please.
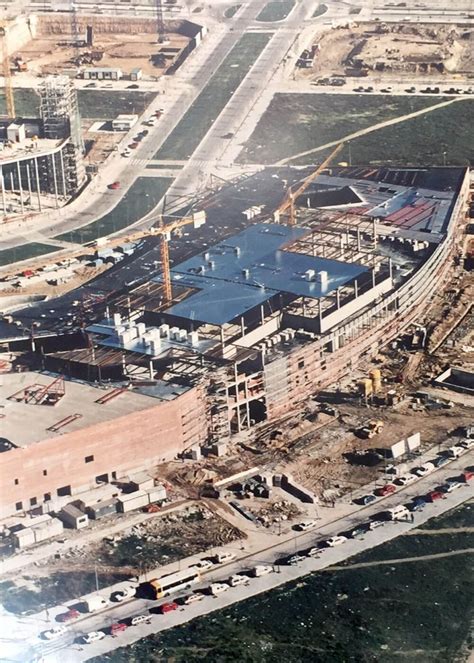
(368, 130)
(402, 560)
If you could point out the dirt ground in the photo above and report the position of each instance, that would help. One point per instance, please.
(44, 55)
(393, 49)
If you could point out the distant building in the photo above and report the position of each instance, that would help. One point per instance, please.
(103, 74)
(136, 74)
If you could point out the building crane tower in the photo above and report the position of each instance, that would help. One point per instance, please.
(160, 24)
(6, 70)
(290, 197)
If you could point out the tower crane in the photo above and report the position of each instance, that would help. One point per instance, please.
(162, 230)
(290, 197)
(7, 74)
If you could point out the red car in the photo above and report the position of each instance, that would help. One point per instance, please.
(114, 185)
(435, 495)
(133, 146)
(118, 627)
(388, 489)
(72, 613)
(168, 607)
(467, 475)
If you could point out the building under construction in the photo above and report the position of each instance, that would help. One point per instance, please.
(41, 160)
(256, 325)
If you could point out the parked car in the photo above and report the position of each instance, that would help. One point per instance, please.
(193, 598)
(118, 627)
(261, 570)
(441, 460)
(168, 607)
(114, 185)
(223, 557)
(467, 475)
(435, 495)
(93, 636)
(405, 479)
(72, 613)
(449, 486)
(140, 619)
(294, 560)
(417, 504)
(124, 594)
(367, 499)
(133, 146)
(357, 532)
(238, 579)
(313, 552)
(54, 633)
(388, 489)
(217, 588)
(205, 564)
(424, 470)
(467, 443)
(373, 524)
(305, 525)
(335, 541)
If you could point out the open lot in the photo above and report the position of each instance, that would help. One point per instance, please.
(314, 120)
(276, 10)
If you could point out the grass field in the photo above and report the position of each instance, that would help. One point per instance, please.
(313, 120)
(24, 252)
(419, 611)
(93, 104)
(276, 10)
(144, 194)
(197, 121)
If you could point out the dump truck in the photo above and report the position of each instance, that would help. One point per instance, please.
(372, 428)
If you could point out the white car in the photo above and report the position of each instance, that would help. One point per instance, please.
(295, 560)
(467, 443)
(123, 594)
(305, 525)
(139, 619)
(193, 598)
(238, 579)
(93, 636)
(449, 486)
(313, 552)
(405, 479)
(55, 632)
(217, 588)
(335, 540)
(205, 564)
(425, 469)
(224, 557)
(261, 570)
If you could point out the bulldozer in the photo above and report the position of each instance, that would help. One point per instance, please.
(371, 429)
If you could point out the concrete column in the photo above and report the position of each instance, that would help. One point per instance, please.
(38, 188)
(20, 188)
(242, 325)
(373, 277)
(247, 404)
(152, 371)
(356, 289)
(338, 298)
(262, 314)
(390, 268)
(374, 231)
(320, 315)
(55, 181)
(239, 422)
(63, 176)
(3, 191)
(28, 177)
(358, 239)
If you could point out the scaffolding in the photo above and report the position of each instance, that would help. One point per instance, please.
(59, 110)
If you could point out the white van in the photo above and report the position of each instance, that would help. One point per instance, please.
(455, 452)
(399, 512)
(223, 557)
(218, 588)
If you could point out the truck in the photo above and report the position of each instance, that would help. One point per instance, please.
(261, 570)
(95, 603)
(222, 557)
(372, 428)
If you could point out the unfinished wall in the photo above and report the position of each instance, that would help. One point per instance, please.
(20, 32)
(137, 441)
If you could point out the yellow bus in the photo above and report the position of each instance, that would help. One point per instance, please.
(174, 582)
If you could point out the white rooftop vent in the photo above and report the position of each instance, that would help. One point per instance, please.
(322, 278)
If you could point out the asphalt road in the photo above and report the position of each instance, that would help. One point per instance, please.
(275, 547)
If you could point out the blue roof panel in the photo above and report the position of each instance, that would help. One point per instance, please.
(226, 290)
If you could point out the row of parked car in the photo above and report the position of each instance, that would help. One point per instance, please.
(427, 468)
(399, 512)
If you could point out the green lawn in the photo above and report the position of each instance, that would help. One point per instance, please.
(276, 10)
(24, 252)
(197, 121)
(313, 120)
(144, 194)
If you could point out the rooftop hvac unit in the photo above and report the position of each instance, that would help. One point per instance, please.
(237, 251)
(246, 273)
(201, 269)
(206, 255)
(212, 264)
(141, 328)
(309, 274)
(155, 346)
(164, 331)
(182, 336)
(117, 319)
(174, 333)
(322, 278)
(193, 339)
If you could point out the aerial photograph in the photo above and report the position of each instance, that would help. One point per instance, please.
(237, 331)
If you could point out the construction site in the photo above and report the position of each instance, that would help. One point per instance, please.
(391, 49)
(221, 348)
